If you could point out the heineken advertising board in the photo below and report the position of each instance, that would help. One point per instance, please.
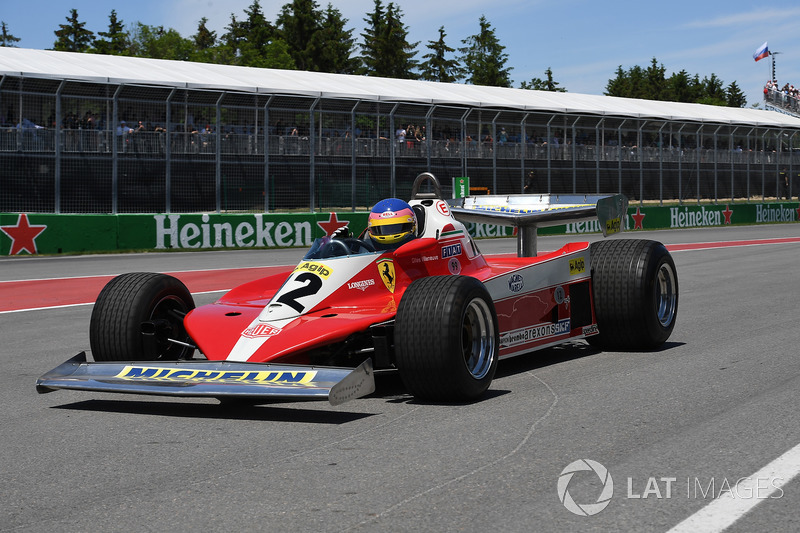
(36, 233)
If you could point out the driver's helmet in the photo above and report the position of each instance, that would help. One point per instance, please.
(392, 222)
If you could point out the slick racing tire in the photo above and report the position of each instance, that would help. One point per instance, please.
(635, 290)
(141, 301)
(446, 338)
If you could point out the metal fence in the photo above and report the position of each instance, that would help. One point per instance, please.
(77, 147)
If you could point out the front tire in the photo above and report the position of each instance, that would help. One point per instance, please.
(635, 290)
(128, 301)
(446, 338)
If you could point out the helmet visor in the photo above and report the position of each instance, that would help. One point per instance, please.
(391, 229)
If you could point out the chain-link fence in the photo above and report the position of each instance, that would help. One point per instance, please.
(78, 147)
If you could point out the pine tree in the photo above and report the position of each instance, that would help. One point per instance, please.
(205, 44)
(204, 38)
(736, 97)
(678, 87)
(73, 36)
(258, 43)
(334, 44)
(656, 81)
(385, 49)
(370, 47)
(484, 59)
(6, 39)
(713, 91)
(115, 41)
(437, 66)
(547, 84)
(618, 86)
(297, 24)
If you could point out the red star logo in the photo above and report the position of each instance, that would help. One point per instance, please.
(638, 218)
(22, 235)
(332, 224)
(727, 214)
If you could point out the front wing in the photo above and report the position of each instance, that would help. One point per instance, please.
(212, 379)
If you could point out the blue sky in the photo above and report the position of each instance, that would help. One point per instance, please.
(582, 41)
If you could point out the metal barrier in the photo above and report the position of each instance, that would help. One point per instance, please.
(66, 147)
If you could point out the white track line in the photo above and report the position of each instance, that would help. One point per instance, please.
(729, 507)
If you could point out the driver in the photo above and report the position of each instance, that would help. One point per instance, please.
(391, 223)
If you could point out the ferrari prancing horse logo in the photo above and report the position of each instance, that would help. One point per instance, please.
(386, 270)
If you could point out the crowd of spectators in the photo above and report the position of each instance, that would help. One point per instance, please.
(95, 132)
(786, 97)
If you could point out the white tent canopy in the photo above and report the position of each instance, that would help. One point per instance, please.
(95, 68)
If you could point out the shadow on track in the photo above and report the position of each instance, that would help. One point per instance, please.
(266, 413)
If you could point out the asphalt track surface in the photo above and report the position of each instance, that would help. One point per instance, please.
(673, 427)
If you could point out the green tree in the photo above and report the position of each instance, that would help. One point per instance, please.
(484, 59)
(618, 86)
(713, 91)
(437, 65)
(205, 43)
(385, 48)
(158, 43)
(115, 41)
(73, 36)
(679, 88)
(334, 44)
(651, 84)
(735, 96)
(656, 80)
(297, 24)
(253, 42)
(547, 84)
(204, 39)
(6, 39)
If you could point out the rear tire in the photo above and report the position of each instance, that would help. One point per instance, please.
(446, 338)
(635, 290)
(128, 300)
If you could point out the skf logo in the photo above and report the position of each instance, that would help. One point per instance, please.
(317, 268)
(577, 266)
(386, 270)
(260, 330)
(451, 250)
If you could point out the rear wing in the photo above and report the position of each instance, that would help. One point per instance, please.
(528, 212)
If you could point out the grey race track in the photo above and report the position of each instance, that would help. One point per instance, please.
(717, 403)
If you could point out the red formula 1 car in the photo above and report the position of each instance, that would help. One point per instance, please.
(435, 309)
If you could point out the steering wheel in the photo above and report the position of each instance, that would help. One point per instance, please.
(358, 246)
(334, 248)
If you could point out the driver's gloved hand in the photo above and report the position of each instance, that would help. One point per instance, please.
(341, 233)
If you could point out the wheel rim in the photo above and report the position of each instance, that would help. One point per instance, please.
(171, 308)
(666, 295)
(477, 338)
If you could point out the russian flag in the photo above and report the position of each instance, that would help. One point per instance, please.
(762, 52)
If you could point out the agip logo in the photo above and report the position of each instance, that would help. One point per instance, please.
(585, 509)
(577, 266)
